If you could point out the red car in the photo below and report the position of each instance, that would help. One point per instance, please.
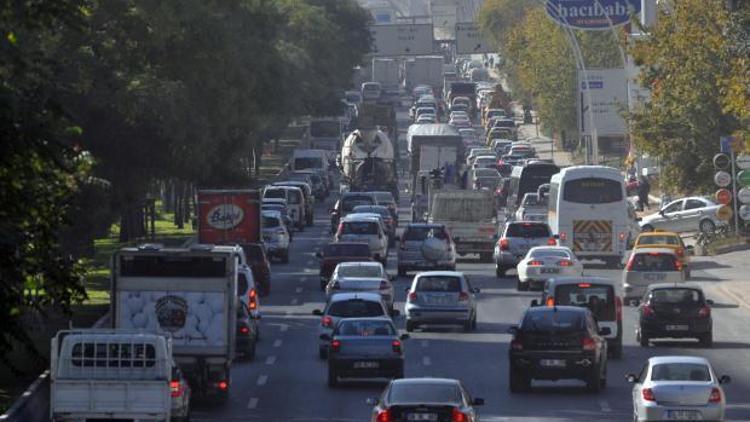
(257, 259)
(335, 253)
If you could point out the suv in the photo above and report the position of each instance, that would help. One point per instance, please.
(516, 239)
(441, 297)
(555, 343)
(675, 311)
(348, 305)
(426, 246)
(368, 230)
(335, 253)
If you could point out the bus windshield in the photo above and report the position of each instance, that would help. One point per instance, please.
(592, 190)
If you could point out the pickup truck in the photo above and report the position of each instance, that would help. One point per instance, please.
(471, 220)
(115, 374)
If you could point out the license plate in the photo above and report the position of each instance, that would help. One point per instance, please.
(422, 417)
(552, 363)
(683, 415)
(549, 270)
(440, 301)
(366, 365)
(677, 327)
(654, 277)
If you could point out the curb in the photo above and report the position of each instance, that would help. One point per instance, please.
(33, 404)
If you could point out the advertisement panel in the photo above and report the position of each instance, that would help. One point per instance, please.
(592, 15)
(608, 90)
(401, 39)
(226, 216)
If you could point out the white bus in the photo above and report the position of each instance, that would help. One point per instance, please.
(588, 212)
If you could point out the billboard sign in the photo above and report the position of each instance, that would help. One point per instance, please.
(592, 15)
(608, 91)
(469, 39)
(401, 40)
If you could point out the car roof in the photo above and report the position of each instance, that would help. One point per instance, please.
(548, 309)
(658, 233)
(426, 380)
(555, 248)
(360, 217)
(340, 297)
(425, 225)
(583, 279)
(349, 243)
(271, 213)
(361, 264)
(440, 274)
(655, 360)
(681, 285)
(644, 251)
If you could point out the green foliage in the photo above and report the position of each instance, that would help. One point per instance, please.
(688, 64)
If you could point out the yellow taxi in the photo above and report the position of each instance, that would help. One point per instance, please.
(665, 240)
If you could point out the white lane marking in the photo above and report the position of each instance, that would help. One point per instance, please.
(284, 327)
(309, 262)
(426, 361)
(270, 360)
(425, 343)
(295, 301)
(298, 290)
(604, 405)
(262, 380)
(302, 279)
(277, 343)
(252, 403)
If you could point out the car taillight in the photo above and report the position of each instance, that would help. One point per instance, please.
(563, 236)
(516, 345)
(629, 265)
(715, 396)
(335, 285)
(588, 344)
(504, 244)
(622, 236)
(222, 385)
(618, 308)
(535, 263)
(411, 297)
(463, 297)
(326, 321)
(678, 265)
(252, 299)
(384, 416)
(648, 394)
(551, 241)
(704, 312)
(396, 345)
(175, 388)
(244, 329)
(680, 252)
(550, 302)
(458, 416)
(647, 311)
(335, 345)
(565, 263)
(340, 229)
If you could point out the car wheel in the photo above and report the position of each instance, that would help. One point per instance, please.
(499, 271)
(474, 322)
(401, 271)
(250, 354)
(285, 257)
(518, 383)
(593, 381)
(521, 286)
(647, 228)
(333, 378)
(707, 340)
(322, 351)
(399, 374)
(467, 326)
(643, 339)
(485, 257)
(410, 326)
(617, 349)
(687, 273)
(707, 226)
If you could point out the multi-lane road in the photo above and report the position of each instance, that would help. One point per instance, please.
(287, 381)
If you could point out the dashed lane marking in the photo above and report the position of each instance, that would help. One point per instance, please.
(252, 403)
(295, 301)
(604, 405)
(262, 380)
(270, 360)
(426, 361)
(277, 343)
(298, 290)
(283, 327)
(425, 343)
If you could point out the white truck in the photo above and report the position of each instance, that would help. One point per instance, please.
(424, 70)
(470, 217)
(114, 374)
(189, 294)
(387, 73)
(367, 162)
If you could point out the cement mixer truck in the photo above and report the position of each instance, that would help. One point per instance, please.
(367, 162)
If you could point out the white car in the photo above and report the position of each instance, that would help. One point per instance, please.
(544, 262)
(427, 118)
(362, 277)
(648, 266)
(485, 162)
(678, 388)
(276, 235)
(364, 229)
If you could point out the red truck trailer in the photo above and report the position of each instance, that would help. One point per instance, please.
(229, 216)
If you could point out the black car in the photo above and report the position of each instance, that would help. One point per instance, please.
(364, 348)
(346, 204)
(559, 342)
(257, 259)
(335, 253)
(675, 311)
(425, 399)
(247, 333)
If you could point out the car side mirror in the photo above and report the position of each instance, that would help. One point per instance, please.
(513, 329)
(325, 337)
(392, 277)
(317, 312)
(556, 236)
(534, 303)
(475, 290)
(709, 302)
(319, 254)
(407, 289)
(631, 378)
(661, 213)
(478, 402)
(372, 401)
(690, 249)
(256, 315)
(605, 331)
(725, 379)
(396, 313)
(638, 219)
(404, 336)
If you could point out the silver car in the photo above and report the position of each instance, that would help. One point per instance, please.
(516, 238)
(678, 388)
(276, 235)
(685, 215)
(649, 266)
(441, 298)
(361, 277)
(364, 229)
(426, 246)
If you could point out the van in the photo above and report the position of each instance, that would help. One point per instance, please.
(371, 91)
(527, 179)
(295, 200)
(600, 295)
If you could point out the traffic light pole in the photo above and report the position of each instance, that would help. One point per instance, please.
(735, 200)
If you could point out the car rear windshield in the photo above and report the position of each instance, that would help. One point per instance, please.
(528, 230)
(592, 190)
(439, 284)
(553, 321)
(308, 163)
(541, 253)
(346, 249)
(360, 228)
(680, 372)
(349, 202)
(360, 271)
(275, 193)
(424, 393)
(422, 233)
(599, 298)
(653, 262)
(325, 129)
(253, 253)
(676, 296)
(658, 240)
(295, 197)
(269, 222)
(365, 328)
(355, 308)
(382, 211)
